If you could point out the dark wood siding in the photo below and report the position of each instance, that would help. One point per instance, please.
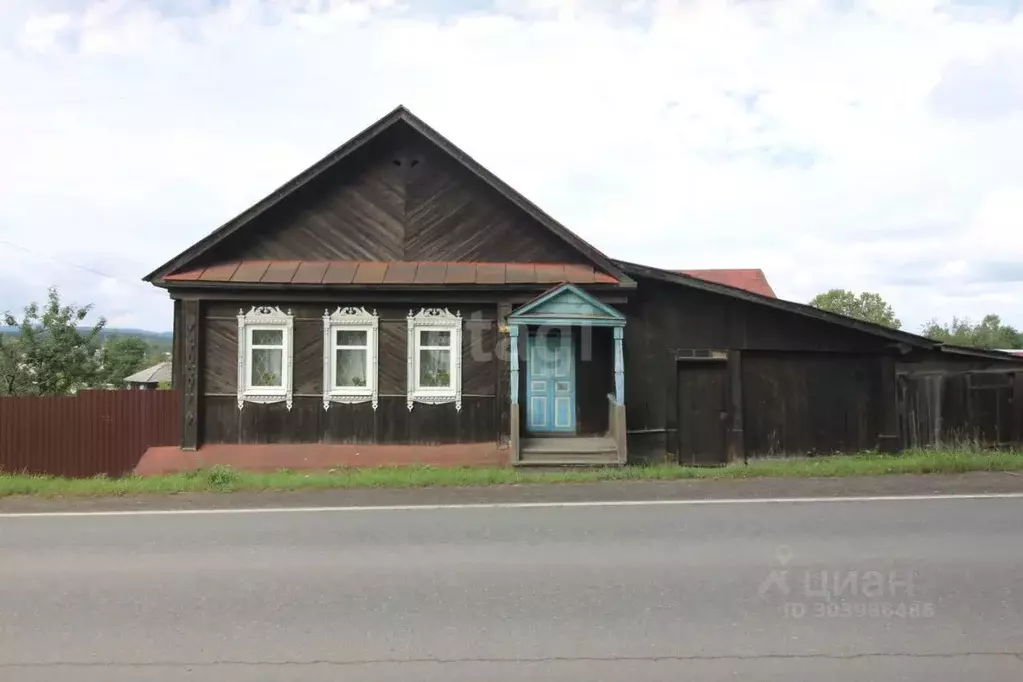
(702, 411)
(398, 198)
(810, 403)
(594, 378)
(974, 408)
(392, 422)
(665, 319)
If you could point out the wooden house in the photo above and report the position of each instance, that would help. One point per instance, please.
(397, 302)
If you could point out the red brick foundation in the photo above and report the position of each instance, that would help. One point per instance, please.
(317, 456)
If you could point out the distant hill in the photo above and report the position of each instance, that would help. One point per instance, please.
(161, 340)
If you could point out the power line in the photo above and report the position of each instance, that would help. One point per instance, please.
(72, 264)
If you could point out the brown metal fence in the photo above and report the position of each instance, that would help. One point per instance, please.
(93, 432)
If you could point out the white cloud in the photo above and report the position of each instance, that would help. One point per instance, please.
(804, 137)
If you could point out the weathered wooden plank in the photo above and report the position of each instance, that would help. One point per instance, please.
(452, 215)
(1017, 407)
(397, 198)
(479, 364)
(888, 439)
(191, 395)
(703, 412)
(810, 403)
(220, 356)
(736, 433)
(350, 213)
(392, 356)
(307, 357)
(594, 371)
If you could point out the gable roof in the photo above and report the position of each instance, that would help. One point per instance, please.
(399, 114)
(669, 276)
(151, 375)
(567, 304)
(750, 279)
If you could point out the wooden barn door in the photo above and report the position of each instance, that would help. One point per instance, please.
(702, 412)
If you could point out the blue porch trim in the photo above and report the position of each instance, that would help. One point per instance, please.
(567, 305)
(513, 362)
(619, 367)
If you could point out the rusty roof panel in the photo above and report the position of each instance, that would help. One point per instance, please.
(280, 272)
(370, 273)
(490, 273)
(749, 279)
(579, 274)
(186, 276)
(460, 273)
(219, 273)
(250, 271)
(550, 273)
(340, 272)
(520, 273)
(431, 273)
(400, 273)
(310, 272)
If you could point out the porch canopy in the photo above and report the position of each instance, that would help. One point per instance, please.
(562, 306)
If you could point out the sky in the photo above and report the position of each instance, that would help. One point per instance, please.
(872, 145)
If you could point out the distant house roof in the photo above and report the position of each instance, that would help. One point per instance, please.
(747, 279)
(156, 374)
(315, 273)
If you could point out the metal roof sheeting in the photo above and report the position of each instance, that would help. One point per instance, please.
(391, 273)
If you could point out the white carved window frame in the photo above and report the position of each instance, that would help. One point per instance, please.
(264, 318)
(352, 319)
(434, 319)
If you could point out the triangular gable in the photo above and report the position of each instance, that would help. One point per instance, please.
(567, 304)
(206, 247)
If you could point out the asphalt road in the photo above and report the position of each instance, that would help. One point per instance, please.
(659, 592)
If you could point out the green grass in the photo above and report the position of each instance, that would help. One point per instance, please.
(225, 479)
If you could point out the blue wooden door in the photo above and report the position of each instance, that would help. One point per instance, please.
(550, 383)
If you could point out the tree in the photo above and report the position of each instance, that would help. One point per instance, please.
(51, 354)
(13, 376)
(988, 333)
(869, 307)
(123, 356)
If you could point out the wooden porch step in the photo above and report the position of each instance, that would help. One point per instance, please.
(568, 452)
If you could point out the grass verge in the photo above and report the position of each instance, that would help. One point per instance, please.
(225, 479)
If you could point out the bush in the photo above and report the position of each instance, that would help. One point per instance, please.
(221, 477)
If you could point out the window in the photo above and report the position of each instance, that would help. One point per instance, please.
(264, 356)
(350, 356)
(435, 357)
